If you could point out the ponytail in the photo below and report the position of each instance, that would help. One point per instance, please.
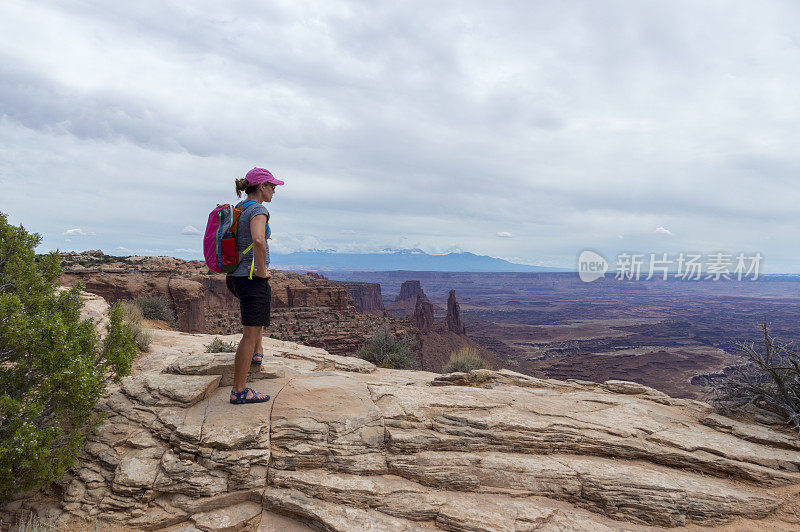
(244, 185)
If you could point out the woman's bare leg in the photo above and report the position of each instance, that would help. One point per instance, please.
(260, 344)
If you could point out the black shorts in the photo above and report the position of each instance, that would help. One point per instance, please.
(254, 299)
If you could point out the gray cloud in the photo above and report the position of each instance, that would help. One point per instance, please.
(432, 125)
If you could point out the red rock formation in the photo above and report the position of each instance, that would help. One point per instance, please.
(187, 296)
(404, 304)
(216, 294)
(453, 319)
(366, 296)
(293, 293)
(410, 290)
(193, 295)
(423, 315)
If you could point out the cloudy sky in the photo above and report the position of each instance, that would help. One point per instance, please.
(523, 130)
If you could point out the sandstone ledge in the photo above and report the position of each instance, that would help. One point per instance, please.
(344, 445)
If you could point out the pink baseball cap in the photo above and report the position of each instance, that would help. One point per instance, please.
(260, 175)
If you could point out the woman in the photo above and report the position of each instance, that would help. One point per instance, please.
(250, 281)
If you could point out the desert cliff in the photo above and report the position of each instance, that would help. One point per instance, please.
(366, 296)
(343, 445)
(198, 296)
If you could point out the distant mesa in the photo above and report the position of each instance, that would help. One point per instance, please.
(410, 290)
(406, 302)
(413, 302)
(366, 297)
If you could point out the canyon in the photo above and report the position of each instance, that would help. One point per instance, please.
(338, 316)
(671, 335)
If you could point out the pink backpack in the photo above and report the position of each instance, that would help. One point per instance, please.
(219, 242)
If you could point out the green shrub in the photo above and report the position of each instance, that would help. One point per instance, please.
(155, 308)
(132, 315)
(386, 351)
(218, 346)
(53, 367)
(465, 360)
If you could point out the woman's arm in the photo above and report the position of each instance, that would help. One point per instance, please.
(258, 226)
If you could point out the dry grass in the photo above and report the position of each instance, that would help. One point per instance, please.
(156, 308)
(32, 523)
(465, 360)
(133, 315)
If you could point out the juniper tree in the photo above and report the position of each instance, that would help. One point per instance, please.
(53, 366)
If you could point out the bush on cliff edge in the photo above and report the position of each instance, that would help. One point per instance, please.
(465, 360)
(386, 351)
(156, 308)
(53, 367)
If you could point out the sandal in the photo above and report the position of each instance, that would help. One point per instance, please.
(240, 398)
(257, 361)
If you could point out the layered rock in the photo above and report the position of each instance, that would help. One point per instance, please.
(404, 304)
(366, 296)
(343, 445)
(390, 450)
(187, 296)
(197, 298)
(423, 315)
(453, 319)
(292, 292)
(410, 290)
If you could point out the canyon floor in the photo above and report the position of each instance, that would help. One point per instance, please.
(344, 445)
(671, 335)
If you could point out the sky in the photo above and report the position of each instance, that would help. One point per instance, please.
(528, 131)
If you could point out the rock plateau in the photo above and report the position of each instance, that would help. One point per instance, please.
(343, 445)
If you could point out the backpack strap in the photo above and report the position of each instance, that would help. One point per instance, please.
(245, 205)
